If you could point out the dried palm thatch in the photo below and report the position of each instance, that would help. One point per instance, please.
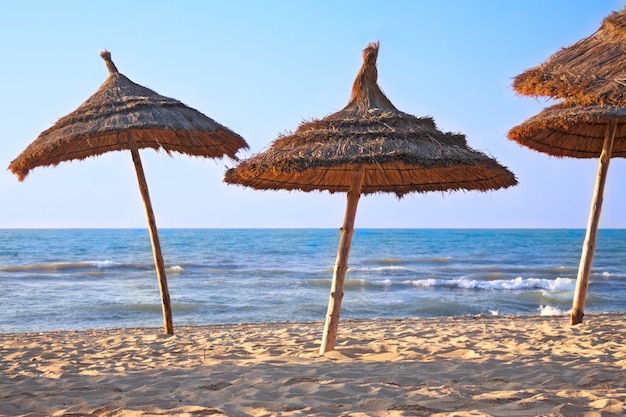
(570, 130)
(121, 107)
(124, 115)
(367, 147)
(401, 153)
(591, 71)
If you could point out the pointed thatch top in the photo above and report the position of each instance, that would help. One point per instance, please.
(120, 108)
(106, 55)
(591, 71)
(401, 153)
(366, 94)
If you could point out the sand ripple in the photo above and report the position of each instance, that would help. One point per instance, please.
(460, 366)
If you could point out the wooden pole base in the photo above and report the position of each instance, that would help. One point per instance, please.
(168, 325)
(341, 264)
(589, 245)
(576, 317)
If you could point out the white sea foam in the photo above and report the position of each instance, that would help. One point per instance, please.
(102, 264)
(430, 282)
(550, 311)
(519, 283)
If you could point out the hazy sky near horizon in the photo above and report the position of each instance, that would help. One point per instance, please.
(263, 67)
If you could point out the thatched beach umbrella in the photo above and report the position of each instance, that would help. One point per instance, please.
(123, 115)
(590, 76)
(368, 147)
(592, 71)
(572, 130)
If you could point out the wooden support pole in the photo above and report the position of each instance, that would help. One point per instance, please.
(589, 245)
(341, 264)
(154, 237)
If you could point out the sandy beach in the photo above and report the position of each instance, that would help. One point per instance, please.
(453, 366)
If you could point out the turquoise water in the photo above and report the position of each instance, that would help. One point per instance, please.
(102, 278)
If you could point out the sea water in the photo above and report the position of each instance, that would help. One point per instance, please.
(102, 278)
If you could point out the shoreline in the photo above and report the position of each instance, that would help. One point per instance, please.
(563, 317)
(445, 366)
(454, 318)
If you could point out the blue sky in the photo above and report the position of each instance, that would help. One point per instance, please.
(263, 67)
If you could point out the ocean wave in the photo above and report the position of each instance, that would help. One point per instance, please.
(550, 311)
(354, 283)
(546, 286)
(490, 275)
(607, 274)
(386, 261)
(59, 266)
(148, 307)
(439, 260)
(402, 261)
(348, 283)
(519, 283)
(379, 269)
(102, 264)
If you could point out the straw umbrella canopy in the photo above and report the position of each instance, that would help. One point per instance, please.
(572, 130)
(368, 147)
(590, 77)
(122, 115)
(591, 71)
